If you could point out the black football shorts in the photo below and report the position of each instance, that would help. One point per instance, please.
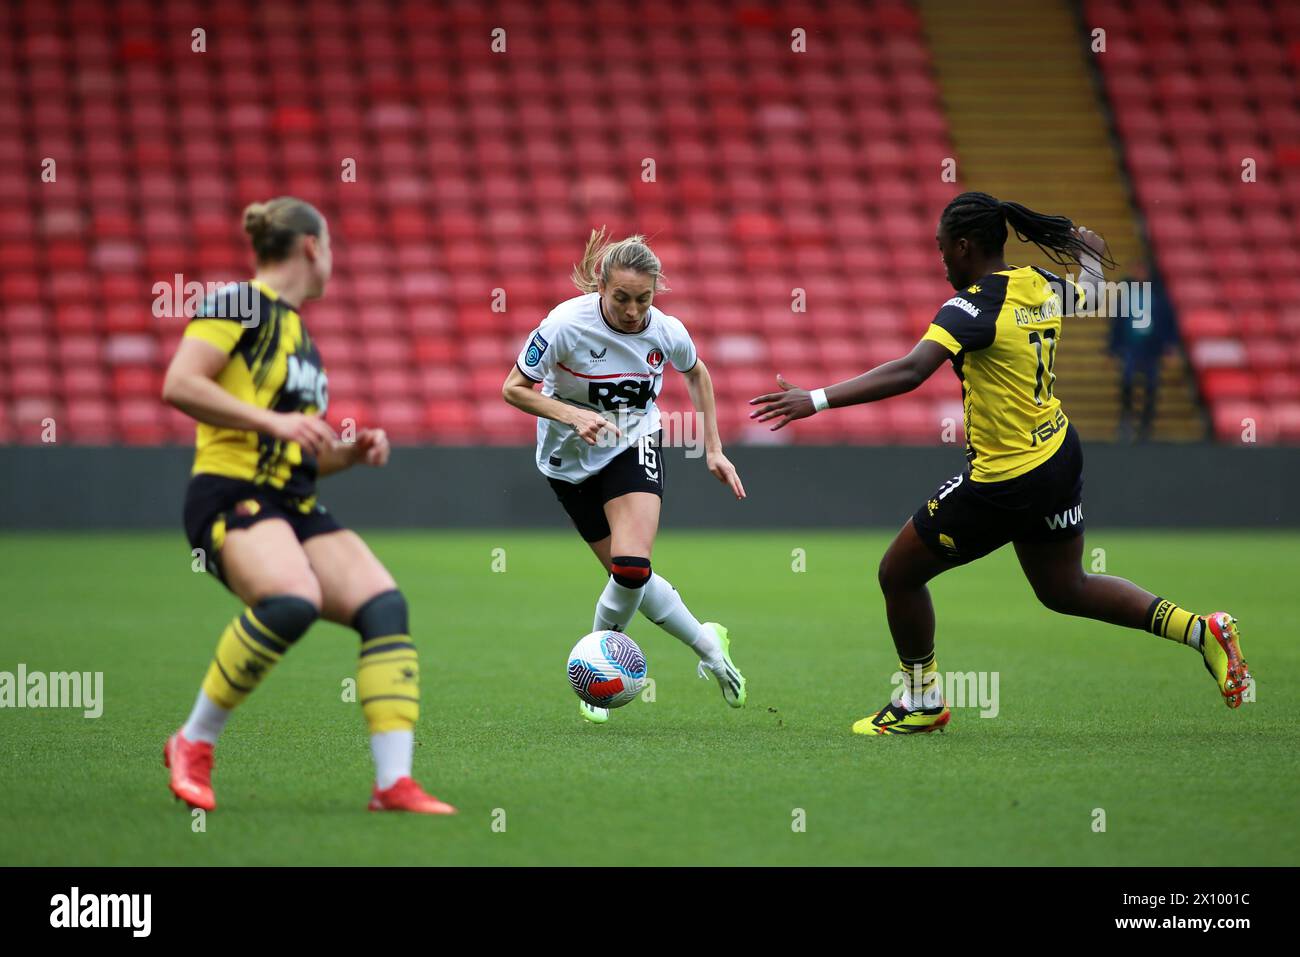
(965, 520)
(215, 505)
(638, 468)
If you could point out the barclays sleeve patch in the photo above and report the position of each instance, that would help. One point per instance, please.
(535, 350)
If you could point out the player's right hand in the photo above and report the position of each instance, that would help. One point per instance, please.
(310, 431)
(787, 405)
(589, 424)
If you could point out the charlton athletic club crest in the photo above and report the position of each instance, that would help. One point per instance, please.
(655, 358)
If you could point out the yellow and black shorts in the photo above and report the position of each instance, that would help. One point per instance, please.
(215, 505)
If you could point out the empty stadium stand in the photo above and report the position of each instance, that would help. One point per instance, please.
(774, 171)
(763, 176)
(1204, 94)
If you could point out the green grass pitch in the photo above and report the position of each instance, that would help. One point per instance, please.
(1090, 716)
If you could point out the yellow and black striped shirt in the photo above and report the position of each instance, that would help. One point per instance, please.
(1003, 333)
(274, 365)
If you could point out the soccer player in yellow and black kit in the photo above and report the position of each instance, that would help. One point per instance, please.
(1024, 481)
(248, 371)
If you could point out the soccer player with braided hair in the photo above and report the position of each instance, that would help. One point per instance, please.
(1024, 479)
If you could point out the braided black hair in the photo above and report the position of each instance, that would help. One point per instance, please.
(983, 219)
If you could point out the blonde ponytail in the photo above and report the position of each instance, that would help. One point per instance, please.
(601, 257)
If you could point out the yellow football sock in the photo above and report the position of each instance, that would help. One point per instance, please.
(1167, 620)
(921, 678)
(246, 652)
(388, 682)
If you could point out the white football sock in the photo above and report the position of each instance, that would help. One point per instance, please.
(665, 608)
(926, 700)
(206, 720)
(1198, 633)
(392, 753)
(616, 607)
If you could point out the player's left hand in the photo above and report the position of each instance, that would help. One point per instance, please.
(789, 404)
(725, 472)
(372, 447)
(1090, 239)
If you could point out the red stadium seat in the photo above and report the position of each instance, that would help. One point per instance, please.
(140, 421)
(90, 421)
(350, 413)
(1283, 386)
(85, 381)
(452, 421)
(402, 419)
(1287, 419)
(1244, 423)
(916, 422)
(136, 382)
(1221, 384)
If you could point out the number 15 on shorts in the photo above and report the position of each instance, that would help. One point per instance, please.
(648, 456)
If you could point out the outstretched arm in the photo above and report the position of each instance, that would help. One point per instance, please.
(888, 379)
(700, 386)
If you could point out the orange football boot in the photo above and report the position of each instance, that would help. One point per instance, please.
(406, 795)
(191, 766)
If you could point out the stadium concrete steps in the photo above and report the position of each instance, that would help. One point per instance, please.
(1049, 146)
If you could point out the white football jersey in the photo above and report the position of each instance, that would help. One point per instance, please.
(581, 359)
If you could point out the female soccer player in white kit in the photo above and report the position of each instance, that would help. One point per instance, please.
(600, 358)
